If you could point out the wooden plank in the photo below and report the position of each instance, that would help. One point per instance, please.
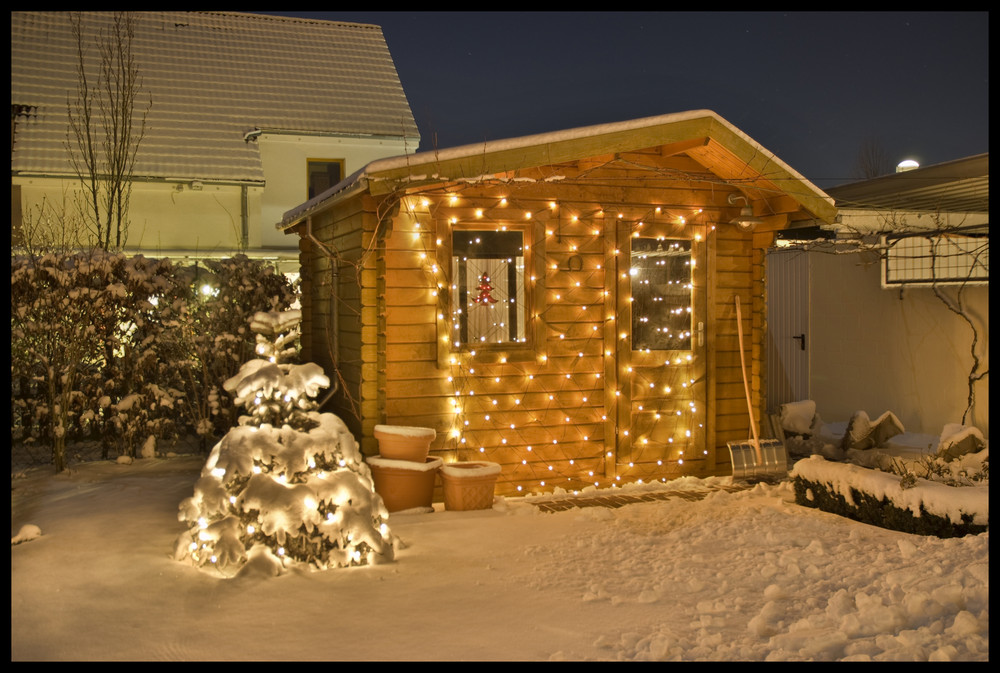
(410, 334)
(411, 315)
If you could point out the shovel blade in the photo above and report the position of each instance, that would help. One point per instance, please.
(773, 461)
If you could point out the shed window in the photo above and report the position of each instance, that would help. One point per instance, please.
(488, 298)
(660, 274)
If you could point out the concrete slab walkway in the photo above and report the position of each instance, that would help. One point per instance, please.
(615, 500)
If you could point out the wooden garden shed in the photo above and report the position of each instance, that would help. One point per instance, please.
(561, 304)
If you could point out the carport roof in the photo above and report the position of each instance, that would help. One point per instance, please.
(959, 186)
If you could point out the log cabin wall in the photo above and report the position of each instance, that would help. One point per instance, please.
(551, 410)
(338, 295)
(738, 271)
(573, 237)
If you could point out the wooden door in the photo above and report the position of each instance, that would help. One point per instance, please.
(661, 351)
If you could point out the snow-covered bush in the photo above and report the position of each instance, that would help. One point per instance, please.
(81, 331)
(116, 348)
(130, 398)
(211, 337)
(52, 342)
(918, 506)
(288, 485)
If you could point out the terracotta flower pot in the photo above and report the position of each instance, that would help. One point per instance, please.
(404, 442)
(469, 485)
(405, 484)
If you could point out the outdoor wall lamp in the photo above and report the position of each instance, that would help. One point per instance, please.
(746, 220)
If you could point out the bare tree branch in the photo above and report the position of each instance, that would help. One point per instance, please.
(106, 129)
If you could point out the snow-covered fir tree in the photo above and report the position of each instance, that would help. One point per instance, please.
(289, 484)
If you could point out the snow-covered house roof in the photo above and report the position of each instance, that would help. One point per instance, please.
(959, 186)
(703, 135)
(214, 78)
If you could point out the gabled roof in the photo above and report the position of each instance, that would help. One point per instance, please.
(213, 77)
(702, 135)
(960, 186)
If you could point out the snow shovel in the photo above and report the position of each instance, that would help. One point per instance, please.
(755, 458)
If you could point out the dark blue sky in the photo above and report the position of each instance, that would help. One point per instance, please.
(811, 87)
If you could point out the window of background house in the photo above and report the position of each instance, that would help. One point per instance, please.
(323, 174)
(488, 297)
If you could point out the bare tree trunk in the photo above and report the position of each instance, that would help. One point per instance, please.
(106, 130)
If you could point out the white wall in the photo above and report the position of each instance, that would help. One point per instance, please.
(164, 216)
(903, 351)
(173, 217)
(284, 157)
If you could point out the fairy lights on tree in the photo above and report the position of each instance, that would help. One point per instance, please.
(288, 485)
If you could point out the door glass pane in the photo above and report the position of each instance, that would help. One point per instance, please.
(660, 274)
(488, 301)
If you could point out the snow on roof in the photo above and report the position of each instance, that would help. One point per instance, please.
(213, 77)
(421, 162)
(958, 186)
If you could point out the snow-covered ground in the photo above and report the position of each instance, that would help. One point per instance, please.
(747, 576)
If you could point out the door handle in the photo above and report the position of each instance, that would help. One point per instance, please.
(802, 341)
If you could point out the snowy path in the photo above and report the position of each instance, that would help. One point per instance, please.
(745, 576)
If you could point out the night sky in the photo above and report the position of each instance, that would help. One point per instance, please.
(811, 87)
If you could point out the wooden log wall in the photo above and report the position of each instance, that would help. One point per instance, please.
(736, 274)
(337, 261)
(548, 413)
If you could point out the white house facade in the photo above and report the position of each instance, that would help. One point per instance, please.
(888, 309)
(249, 115)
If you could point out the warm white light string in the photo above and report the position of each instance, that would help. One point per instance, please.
(486, 412)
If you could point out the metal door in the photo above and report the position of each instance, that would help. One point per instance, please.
(787, 327)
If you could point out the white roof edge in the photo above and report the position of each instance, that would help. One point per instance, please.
(462, 151)
(355, 180)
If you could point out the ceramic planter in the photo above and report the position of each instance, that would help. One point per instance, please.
(469, 486)
(404, 442)
(405, 484)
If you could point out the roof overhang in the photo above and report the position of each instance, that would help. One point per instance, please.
(701, 134)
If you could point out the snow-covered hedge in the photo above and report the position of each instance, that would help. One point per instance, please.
(116, 348)
(883, 499)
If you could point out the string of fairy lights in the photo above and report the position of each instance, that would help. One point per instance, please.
(544, 415)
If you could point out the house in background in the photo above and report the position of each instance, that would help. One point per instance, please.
(562, 304)
(855, 328)
(251, 115)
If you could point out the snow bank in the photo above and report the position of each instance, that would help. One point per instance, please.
(948, 502)
(747, 576)
(798, 417)
(958, 440)
(26, 533)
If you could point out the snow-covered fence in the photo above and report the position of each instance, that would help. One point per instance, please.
(115, 348)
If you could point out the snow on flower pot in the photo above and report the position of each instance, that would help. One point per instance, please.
(405, 484)
(404, 442)
(469, 485)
